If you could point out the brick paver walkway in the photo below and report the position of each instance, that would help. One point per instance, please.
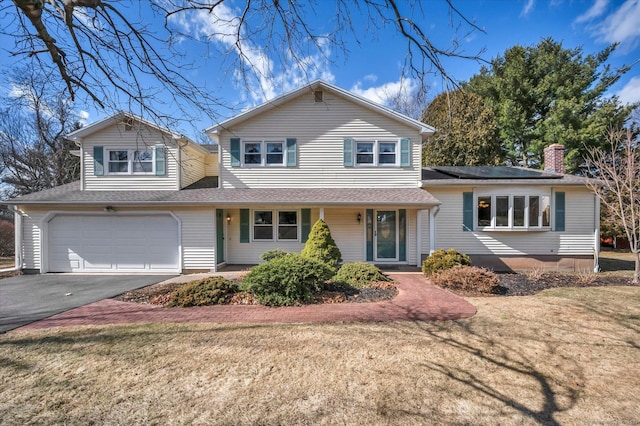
(417, 300)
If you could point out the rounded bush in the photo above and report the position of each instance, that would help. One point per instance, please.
(468, 278)
(208, 291)
(272, 254)
(444, 259)
(287, 280)
(359, 275)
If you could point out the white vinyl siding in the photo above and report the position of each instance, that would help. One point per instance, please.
(577, 239)
(198, 237)
(212, 168)
(320, 130)
(192, 166)
(197, 232)
(116, 137)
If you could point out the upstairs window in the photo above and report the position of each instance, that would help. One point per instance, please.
(513, 212)
(127, 162)
(376, 153)
(263, 153)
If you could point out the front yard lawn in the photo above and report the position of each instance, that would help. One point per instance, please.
(563, 356)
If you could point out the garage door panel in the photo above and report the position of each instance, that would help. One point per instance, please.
(113, 243)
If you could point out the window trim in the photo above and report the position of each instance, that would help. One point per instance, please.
(263, 153)
(511, 210)
(275, 224)
(130, 161)
(376, 152)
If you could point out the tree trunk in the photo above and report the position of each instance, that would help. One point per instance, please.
(636, 274)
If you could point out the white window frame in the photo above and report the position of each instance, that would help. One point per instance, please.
(376, 152)
(511, 210)
(275, 225)
(263, 153)
(130, 161)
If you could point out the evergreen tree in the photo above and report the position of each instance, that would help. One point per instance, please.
(321, 246)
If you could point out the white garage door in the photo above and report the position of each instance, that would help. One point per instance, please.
(113, 243)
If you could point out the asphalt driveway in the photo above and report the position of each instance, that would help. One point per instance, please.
(28, 298)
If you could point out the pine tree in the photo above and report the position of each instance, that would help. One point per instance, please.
(321, 245)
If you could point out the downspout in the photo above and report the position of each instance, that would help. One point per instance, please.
(17, 223)
(596, 235)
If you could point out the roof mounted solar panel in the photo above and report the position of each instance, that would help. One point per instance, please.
(495, 172)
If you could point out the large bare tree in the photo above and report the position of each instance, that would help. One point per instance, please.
(33, 121)
(618, 186)
(104, 50)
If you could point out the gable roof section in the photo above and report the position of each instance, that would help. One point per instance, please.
(423, 129)
(78, 135)
(70, 194)
(495, 175)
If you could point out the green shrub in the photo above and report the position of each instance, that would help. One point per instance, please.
(359, 275)
(272, 254)
(287, 280)
(208, 291)
(468, 278)
(321, 246)
(440, 260)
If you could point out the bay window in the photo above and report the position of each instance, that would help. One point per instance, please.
(513, 212)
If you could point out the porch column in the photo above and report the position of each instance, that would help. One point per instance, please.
(432, 228)
(419, 237)
(322, 213)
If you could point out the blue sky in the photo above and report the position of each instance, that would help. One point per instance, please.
(372, 63)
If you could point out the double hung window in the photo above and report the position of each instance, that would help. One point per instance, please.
(263, 153)
(376, 153)
(127, 162)
(281, 225)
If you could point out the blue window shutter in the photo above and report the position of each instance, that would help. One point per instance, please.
(348, 152)
(369, 231)
(98, 160)
(161, 161)
(560, 211)
(405, 152)
(402, 213)
(291, 152)
(244, 225)
(235, 152)
(467, 211)
(305, 224)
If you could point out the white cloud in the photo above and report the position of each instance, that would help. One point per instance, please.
(370, 77)
(528, 7)
(265, 78)
(83, 116)
(597, 9)
(630, 93)
(384, 93)
(622, 26)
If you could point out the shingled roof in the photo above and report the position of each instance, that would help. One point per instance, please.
(70, 194)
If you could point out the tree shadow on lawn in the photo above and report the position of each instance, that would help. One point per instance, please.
(538, 352)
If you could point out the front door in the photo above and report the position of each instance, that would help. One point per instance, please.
(386, 235)
(219, 236)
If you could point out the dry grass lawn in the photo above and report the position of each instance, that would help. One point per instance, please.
(565, 356)
(7, 262)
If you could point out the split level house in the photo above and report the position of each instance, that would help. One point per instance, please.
(151, 200)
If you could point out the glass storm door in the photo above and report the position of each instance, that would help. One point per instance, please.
(386, 235)
(219, 236)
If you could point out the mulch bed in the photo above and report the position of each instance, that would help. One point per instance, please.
(510, 285)
(158, 294)
(525, 285)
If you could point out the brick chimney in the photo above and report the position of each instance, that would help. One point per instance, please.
(554, 158)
